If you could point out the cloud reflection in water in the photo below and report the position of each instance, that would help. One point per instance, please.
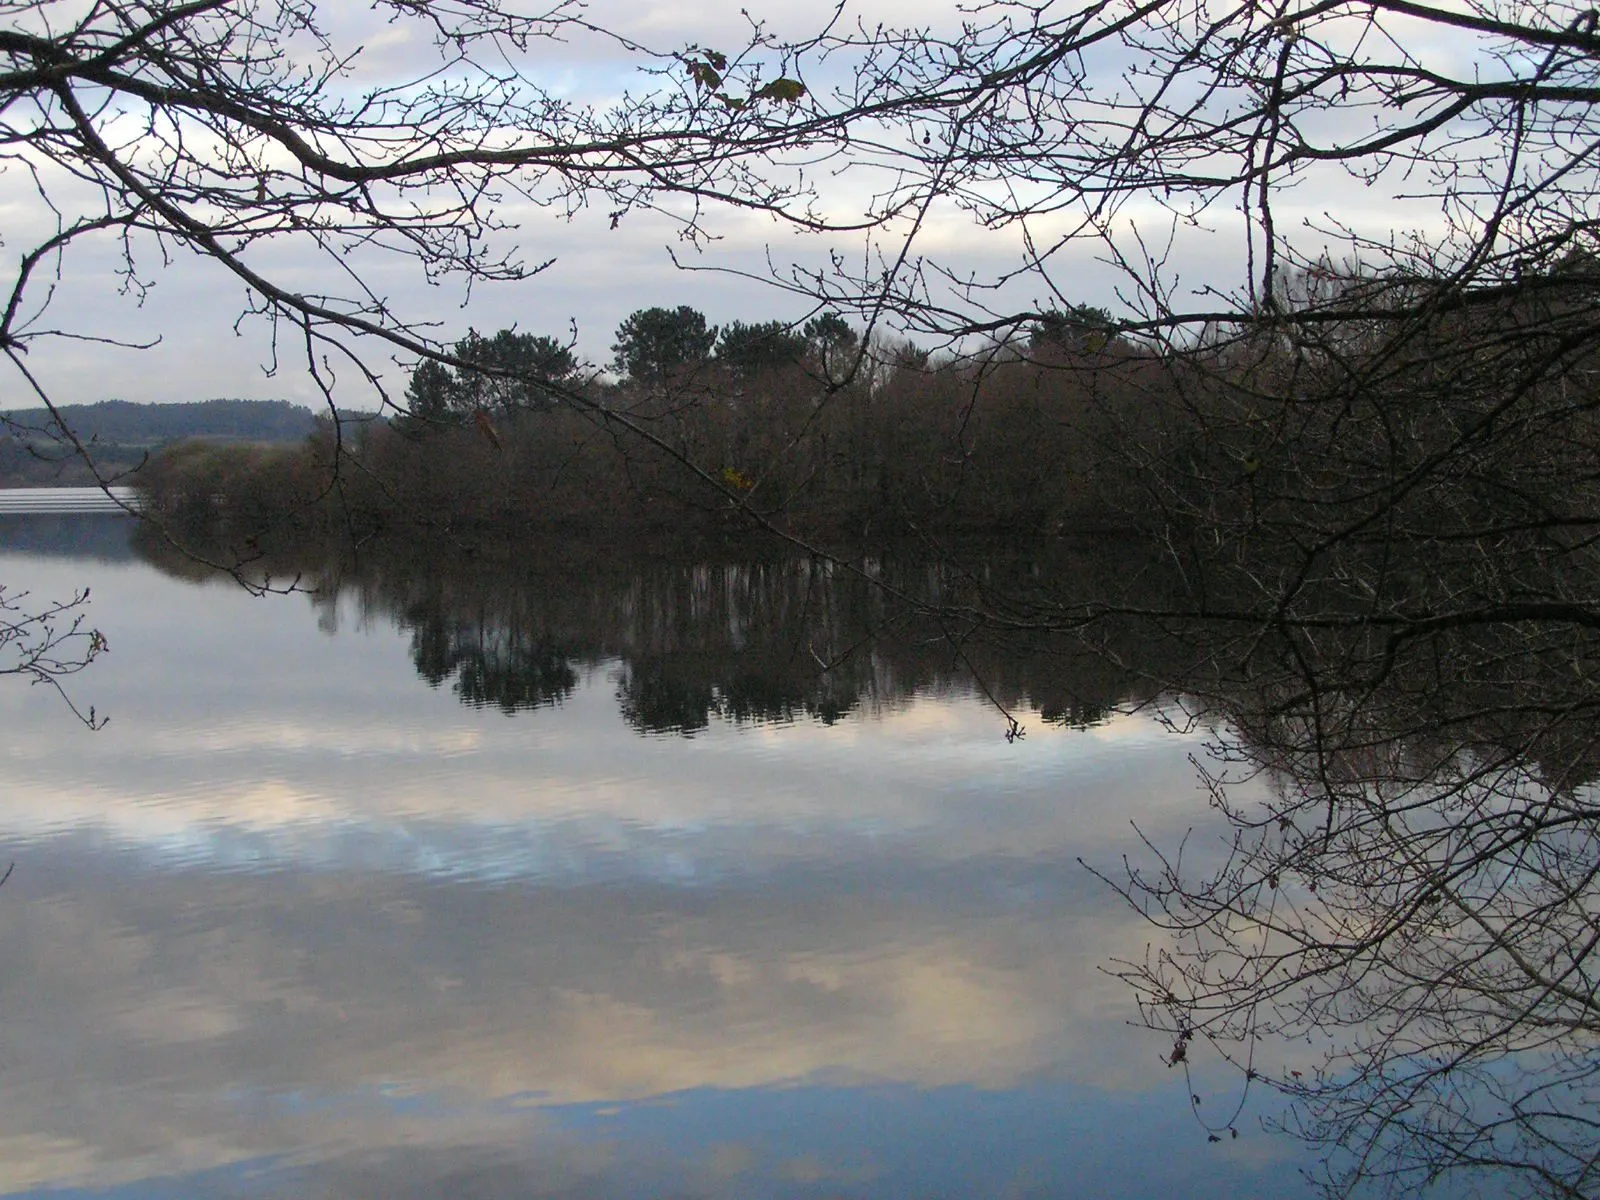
(294, 923)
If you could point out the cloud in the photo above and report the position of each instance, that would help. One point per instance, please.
(214, 997)
(601, 273)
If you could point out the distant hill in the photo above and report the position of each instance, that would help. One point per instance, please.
(120, 434)
(126, 423)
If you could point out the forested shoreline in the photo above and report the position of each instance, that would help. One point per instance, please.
(85, 445)
(707, 431)
(1343, 431)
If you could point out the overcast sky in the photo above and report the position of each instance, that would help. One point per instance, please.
(597, 274)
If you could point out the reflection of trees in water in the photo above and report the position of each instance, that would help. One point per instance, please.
(491, 665)
(1409, 869)
(690, 642)
(745, 642)
(657, 696)
(1076, 713)
(1416, 897)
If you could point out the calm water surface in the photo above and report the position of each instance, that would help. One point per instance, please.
(298, 923)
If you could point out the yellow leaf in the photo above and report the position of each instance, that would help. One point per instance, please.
(787, 90)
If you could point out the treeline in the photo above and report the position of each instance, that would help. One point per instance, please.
(1381, 448)
(804, 426)
(1387, 492)
(36, 451)
(124, 421)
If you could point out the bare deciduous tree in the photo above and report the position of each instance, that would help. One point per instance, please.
(238, 130)
(1374, 458)
(45, 645)
(1373, 455)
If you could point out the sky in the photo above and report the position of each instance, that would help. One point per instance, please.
(195, 345)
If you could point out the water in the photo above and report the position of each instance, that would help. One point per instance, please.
(297, 922)
(14, 501)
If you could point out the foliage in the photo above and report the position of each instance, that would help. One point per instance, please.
(245, 487)
(832, 342)
(654, 343)
(829, 331)
(941, 448)
(750, 349)
(1082, 327)
(708, 68)
(504, 374)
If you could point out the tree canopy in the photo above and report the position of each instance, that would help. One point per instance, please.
(506, 373)
(1080, 327)
(750, 348)
(654, 343)
(251, 134)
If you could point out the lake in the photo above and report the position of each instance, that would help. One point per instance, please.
(389, 890)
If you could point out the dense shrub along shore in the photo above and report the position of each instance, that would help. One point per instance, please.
(1013, 447)
(1397, 444)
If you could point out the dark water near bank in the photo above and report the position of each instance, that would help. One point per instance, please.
(576, 885)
